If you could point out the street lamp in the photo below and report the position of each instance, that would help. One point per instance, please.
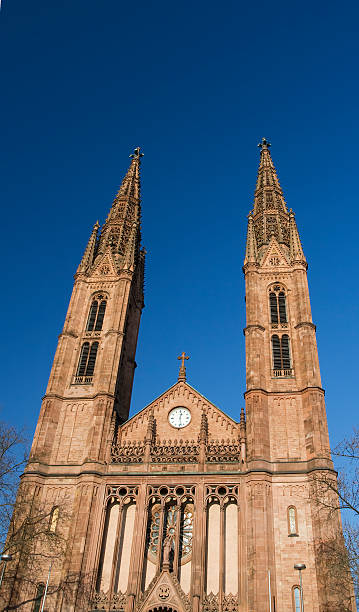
(5, 559)
(300, 567)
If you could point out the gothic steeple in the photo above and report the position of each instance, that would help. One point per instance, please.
(123, 220)
(270, 212)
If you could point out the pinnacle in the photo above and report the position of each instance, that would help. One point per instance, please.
(264, 144)
(90, 251)
(242, 417)
(251, 246)
(296, 249)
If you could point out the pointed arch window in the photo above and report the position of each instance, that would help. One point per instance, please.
(92, 359)
(81, 369)
(296, 594)
(281, 355)
(87, 361)
(96, 314)
(278, 306)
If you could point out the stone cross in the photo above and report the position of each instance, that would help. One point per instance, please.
(182, 372)
(136, 154)
(264, 144)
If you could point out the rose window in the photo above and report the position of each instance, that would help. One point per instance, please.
(155, 540)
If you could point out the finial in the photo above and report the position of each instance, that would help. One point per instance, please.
(264, 144)
(136, 154)
(242, 417)
(96, 226)
(182, 371)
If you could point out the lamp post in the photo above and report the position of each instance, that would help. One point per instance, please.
(300, 567)
(4, 559)
(47, 586)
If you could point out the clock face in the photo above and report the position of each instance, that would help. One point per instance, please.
(179, 417)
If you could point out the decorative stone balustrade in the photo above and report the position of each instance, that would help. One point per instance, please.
(283, 373)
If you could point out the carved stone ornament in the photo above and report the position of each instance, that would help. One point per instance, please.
(221, 451)
(230, 603)
(100, 601)
(128, 452)
(105, 269)
(164, 588)
(175, 451)
(113, 601)
(210, 603)
(163, 592)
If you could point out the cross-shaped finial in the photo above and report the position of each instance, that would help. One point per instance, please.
(136, 154)
(264, 144)
(182, 372)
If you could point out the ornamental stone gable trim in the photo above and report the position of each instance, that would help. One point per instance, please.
(105, 266)
(164, 591)
(274, 257)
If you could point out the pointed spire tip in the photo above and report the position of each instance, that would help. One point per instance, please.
(136, 153)
(264, 144)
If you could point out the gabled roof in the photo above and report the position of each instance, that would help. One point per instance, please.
(181, 393)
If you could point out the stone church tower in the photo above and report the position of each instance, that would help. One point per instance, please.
(181, 508)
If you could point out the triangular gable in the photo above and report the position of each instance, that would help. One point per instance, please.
(165, 591)
(274, 257)
(105, 266)
(220, 425)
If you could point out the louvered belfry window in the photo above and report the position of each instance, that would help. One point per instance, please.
(282, 307)
(285, 352)
(87, 359)
(96, 314)
(92, 316)
(281, 352)
(277, 356)
(278, 306)
(83, 359)
(100, 315)
(273, 308)
(92, 359)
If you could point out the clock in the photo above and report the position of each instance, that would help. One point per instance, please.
(179, 417)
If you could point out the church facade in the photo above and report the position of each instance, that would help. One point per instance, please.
(181, 508)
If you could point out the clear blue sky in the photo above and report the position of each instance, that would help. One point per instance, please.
(196, 84)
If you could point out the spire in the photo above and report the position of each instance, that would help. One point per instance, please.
(130, 186)
(125, 212)
(90, 250)
(270, 211)
(296, 249)
(251, 246)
